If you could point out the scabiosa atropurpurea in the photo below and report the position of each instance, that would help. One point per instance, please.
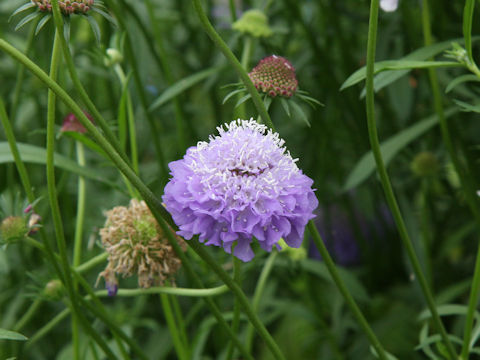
(274, 76)
(239, 185)
(136, 244)
(43, 9)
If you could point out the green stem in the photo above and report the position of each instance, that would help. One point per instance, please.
(317, 239)
(425, 229)
(97, 260)
(159, 212)
(77, 247)
(467, 27)
(44, 330)
(181, 324)
(21, 73)
(384, 178)
(245, 60)
(32, 310)
(130, 117)
(180, 348)
(247, 308)
(81, 197)
(257, 100)
(57, 17)
(237, 277)
(22, 170)
(267, 268)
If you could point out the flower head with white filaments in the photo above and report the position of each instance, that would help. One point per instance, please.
(239, 185)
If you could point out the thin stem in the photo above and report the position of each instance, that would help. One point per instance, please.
(387, 187)
(237, 277)
(233, 10)
(267, 268)
(22, 170)
(257, 100)
(181, 324)
(172, 326)
(247, 308)
(317, 239)
(21, 73)
(245, 60)
(97, 260)
(32, 310)
(467, 27)
(77, 242)
(57, 17)
(159, 212)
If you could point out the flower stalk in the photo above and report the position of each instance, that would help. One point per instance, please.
(385, 180)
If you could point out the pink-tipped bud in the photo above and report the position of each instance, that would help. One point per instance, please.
(67, 7)
(275, 76)
(71, 123)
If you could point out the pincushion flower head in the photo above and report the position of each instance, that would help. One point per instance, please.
(136, 244)
(274, 76)
(44, 8)
(239, 185)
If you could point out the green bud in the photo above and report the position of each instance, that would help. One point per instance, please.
(295, 254)
(253, 22)
(113, 57)
(425, 164)
(12, 229)
(53, 290)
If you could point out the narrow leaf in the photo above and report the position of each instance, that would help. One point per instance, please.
(467, 107)
(182, 85)
(27, 19)
(22, 8)
(95, 28)
(460, 80)
(11, 335)
(389, 148)
(286, 106)
(380, 66)
(42, 23)
(243, 99)
(230, 94)
(297, 109)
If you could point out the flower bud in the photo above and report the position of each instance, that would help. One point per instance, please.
(54, 290)
(113, 57)
(253, 22)
(425, 164)
(67, 7)
(71, 123)
(275, 76)
(12, 229)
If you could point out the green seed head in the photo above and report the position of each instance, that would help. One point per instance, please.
(137, 245)
(274, 76)
(12, 229)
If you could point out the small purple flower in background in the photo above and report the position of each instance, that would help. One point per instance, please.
(239, 185)
(389, 5)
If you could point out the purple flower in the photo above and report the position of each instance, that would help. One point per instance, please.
(239, 185)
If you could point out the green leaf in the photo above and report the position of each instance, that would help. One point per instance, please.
(267, 101)
(243, 99)
(299, 111)
(389, 356)
(380, 66)
(95, 28)
(230, 94)
(467, 107)
(37, 155)
(352, 283)
(389, 148)
(182, 85)
(43, 21)
(387, 77)
(286, 106)
(22, 8)
(460, 80)
(11, 335)
(27, 19)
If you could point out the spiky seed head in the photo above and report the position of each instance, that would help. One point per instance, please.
(274, 76)
(137, 245)
(12, 229)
